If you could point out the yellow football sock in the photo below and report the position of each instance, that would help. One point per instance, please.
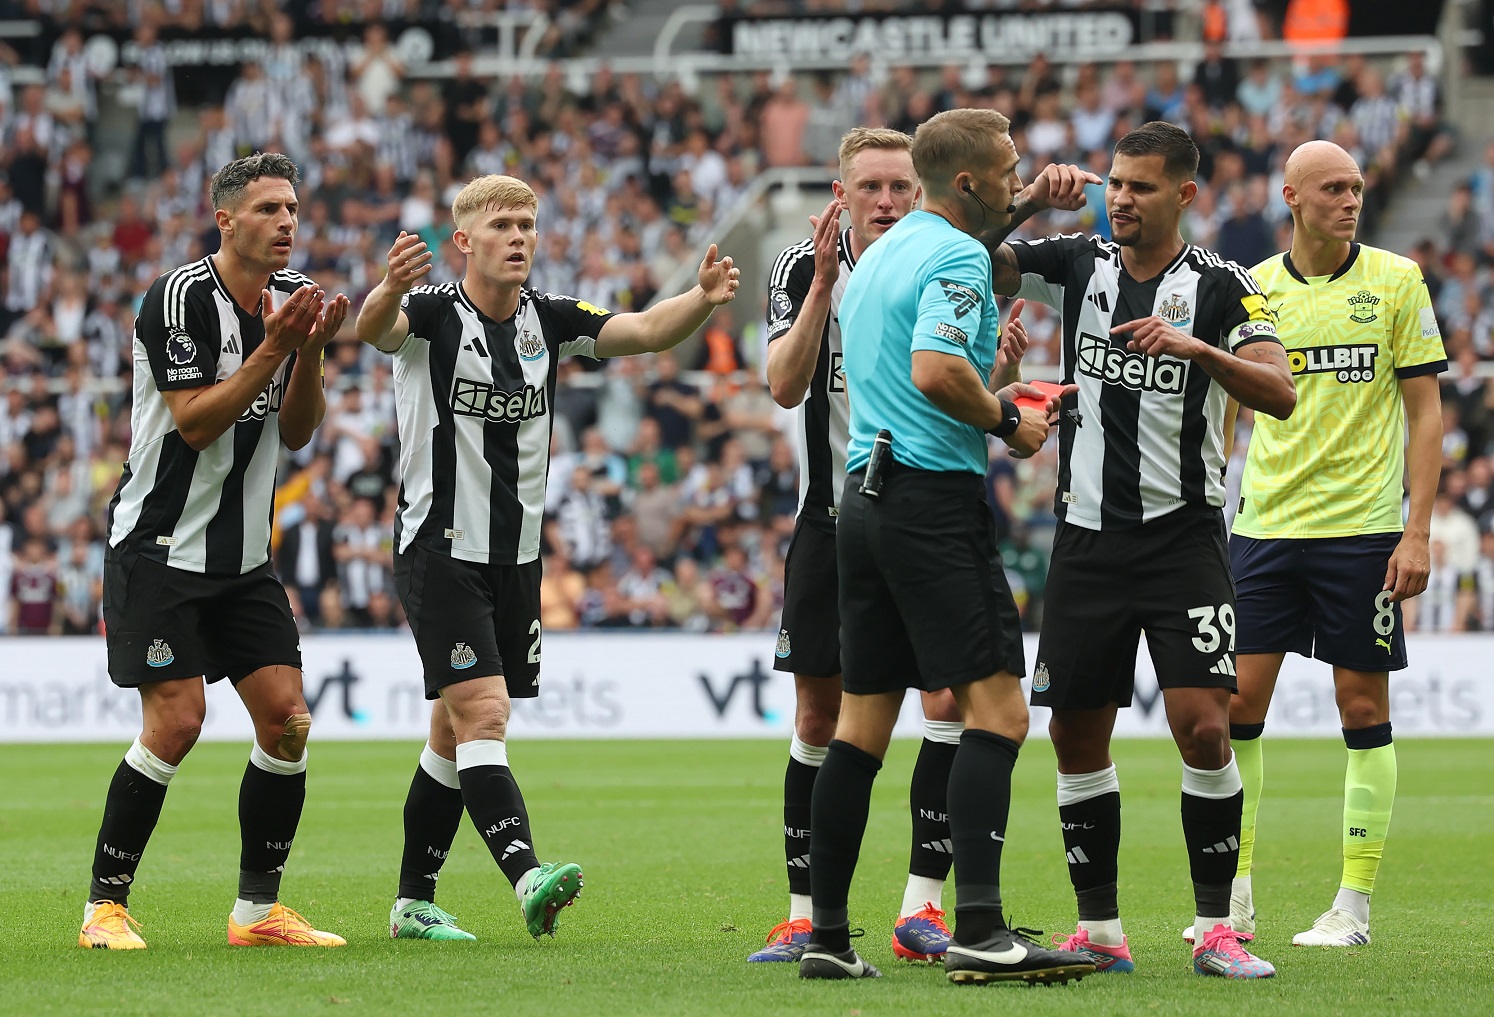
(1245, 739)
(1369, 794)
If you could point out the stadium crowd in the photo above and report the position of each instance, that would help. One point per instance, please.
(674, 489)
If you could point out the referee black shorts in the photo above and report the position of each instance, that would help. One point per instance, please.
(924, 601)
(162, 622)
(472, 620)
(1169, 577)
(809, 639)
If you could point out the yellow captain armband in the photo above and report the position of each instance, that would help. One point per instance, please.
(1257, 307)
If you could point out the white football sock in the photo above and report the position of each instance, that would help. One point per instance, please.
(1104, 932)
(246, 912)
(799, 907)
(1354, 902)
(921, 890)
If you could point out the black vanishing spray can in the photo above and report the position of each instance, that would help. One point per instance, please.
(876, 466)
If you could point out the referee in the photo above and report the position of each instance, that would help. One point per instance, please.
(923, 598)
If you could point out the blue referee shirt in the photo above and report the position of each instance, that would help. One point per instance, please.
(923, 286)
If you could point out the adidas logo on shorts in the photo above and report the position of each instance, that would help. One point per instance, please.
(1226, 665)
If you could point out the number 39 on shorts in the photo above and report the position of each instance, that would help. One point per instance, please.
(1210, 620)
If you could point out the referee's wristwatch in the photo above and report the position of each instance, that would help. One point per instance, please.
(1011, 419)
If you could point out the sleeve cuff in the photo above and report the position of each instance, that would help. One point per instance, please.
(1419, 370)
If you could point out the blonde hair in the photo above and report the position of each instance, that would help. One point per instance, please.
(859, 139)
(491, 192)
(955, 141)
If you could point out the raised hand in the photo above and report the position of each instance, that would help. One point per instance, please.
(409, 260)
(1060, 186)
(719, 279)
(288, 327)
(827, 243)
(1013, 346)
(329, 322)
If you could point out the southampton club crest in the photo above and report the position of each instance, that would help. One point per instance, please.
(1174, 311)
(1362, 307)
(530, 346)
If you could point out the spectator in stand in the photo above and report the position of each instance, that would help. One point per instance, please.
(35, 593)
(675, 405)
(657, 508)
(305, 559)
(1419, 99)
(362, 547)
(783, 121)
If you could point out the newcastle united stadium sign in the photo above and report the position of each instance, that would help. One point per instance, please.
(1088, 33)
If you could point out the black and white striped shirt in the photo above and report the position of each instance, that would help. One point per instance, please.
(1145, 435)
(473, 398)
(205, 511)
(824, 416)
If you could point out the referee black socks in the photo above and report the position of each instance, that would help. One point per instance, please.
(131, 809)
(271, 797)
(980, 797)
(842, 799)
(496, 806)
(433, 813)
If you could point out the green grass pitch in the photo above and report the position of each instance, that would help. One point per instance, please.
(682, 850)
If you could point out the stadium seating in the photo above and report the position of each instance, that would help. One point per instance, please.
(673, 492)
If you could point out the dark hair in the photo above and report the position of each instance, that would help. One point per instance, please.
(1179, 153)
(230, 182)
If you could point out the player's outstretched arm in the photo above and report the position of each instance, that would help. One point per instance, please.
(305, 402)
(203, 415)
(1057, 186)
(670, 322)
(380, 322)
(1255, 374)
(792, 356)
(1410, 564)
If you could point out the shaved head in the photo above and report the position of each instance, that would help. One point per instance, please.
(1324, 189)
(1317, 158)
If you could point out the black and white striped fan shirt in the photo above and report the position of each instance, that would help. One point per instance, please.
(205, 511)
(824, 415)
(474, 397)
(1145, 435)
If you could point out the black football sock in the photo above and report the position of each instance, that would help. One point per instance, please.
(131, 809)
(1212, 802)
(1089, 812)
(496, 806)
(433, 813)
(798, 792)
(980, 797)
(271, 797)
(928, 802)
(842, 800)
